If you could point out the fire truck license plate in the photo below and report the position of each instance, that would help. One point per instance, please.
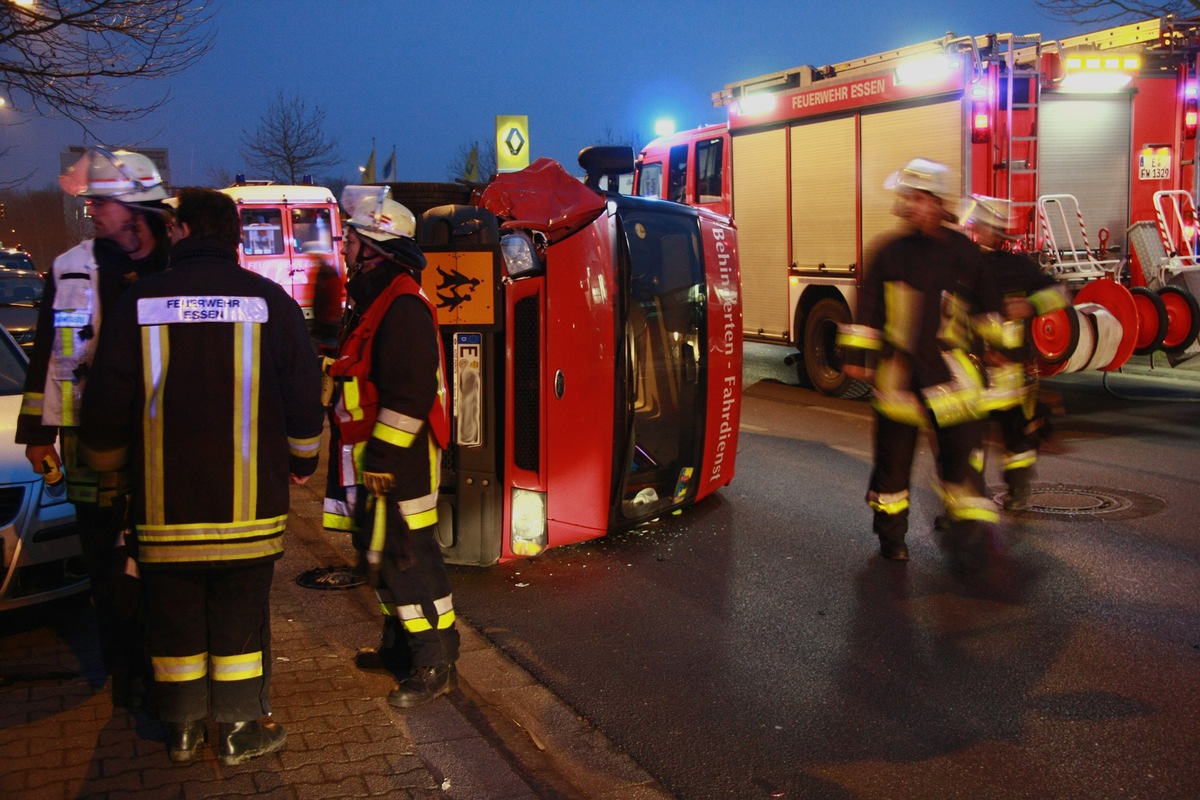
(1154, 166)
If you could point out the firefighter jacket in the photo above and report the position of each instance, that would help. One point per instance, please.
(205, 376)
(925, 305)
(1017, 276)
(81, 287)
(388, 403)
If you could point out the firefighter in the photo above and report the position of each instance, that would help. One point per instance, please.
(389, 425)
(124, 193)
(1011, 397)
(925, 298)
(205, 380)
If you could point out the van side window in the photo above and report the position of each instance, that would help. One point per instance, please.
(311, 230)
(677, 174)
(650, 180)
(708, 171)
(262, 231)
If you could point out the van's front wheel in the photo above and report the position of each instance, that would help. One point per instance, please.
(822, 359)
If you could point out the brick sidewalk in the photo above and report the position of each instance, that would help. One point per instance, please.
(61, 738)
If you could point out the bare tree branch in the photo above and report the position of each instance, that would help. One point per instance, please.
(75, 57)
(289, 141)
(1097, 11)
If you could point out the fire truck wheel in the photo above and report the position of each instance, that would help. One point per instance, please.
(1152, 320)
(1055, 335)
(822, 361)
(1183, 318)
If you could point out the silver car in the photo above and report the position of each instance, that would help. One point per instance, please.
(39, 542)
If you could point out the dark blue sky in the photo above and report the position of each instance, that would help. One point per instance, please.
(429, 76)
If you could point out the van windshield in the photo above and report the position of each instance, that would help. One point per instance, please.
(665, 361)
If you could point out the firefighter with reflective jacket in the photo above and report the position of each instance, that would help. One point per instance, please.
(206, 382)
(389, 424)
(1011, 397)
(124, 194)
(924, 303)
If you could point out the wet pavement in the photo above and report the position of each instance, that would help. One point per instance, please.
(501, 735)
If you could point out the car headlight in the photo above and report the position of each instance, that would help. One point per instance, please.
(528, 522)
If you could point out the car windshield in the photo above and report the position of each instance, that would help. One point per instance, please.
(12, 368)
(20, 289)
(16, 261)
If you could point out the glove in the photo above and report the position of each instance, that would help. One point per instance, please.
(380, 484)
(126, 586)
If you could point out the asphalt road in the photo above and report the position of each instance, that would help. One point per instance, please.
(756, 645)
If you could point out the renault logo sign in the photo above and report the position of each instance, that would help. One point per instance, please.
(512, 143)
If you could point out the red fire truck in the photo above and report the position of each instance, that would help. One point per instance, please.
(593, 348)
(1092, 133)
(292, 235)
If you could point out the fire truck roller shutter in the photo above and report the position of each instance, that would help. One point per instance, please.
(890, 139)
(1085, 152)
(760, 197)
(824, 172)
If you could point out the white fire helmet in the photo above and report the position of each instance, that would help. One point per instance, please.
(120, 174)
(375, 215)
(991, 211)
(922, 175)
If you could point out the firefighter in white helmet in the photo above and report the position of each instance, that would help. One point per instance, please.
(389, 424)
(124, 193)
(924, 302)
(1011, 397)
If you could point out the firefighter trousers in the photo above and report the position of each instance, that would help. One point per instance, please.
(957, 448)
(1020, 443)
(210, 641)
(414, 594)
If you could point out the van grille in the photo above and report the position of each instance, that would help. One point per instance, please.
(10, 504)
(527, 394)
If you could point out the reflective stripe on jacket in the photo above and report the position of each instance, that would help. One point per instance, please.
(76, 330)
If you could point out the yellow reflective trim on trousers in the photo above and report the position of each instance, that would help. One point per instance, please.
(246, 366)
(337, 522)
(974, 513)
(891, 503)
(33, 403)
(237, 668)
(156, 356)
(178, 669)
(1019, 460)
(414, 619)
(977, 460)
(386, 433)
(423, 519)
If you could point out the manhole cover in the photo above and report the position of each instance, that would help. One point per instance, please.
(1082, 502)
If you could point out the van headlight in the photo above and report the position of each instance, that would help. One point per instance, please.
(528, 522)
(520, 255)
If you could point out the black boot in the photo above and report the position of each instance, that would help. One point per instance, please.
(893, 550)
(383, 659)
(184, 738)
(241, 741)
(423, 685)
